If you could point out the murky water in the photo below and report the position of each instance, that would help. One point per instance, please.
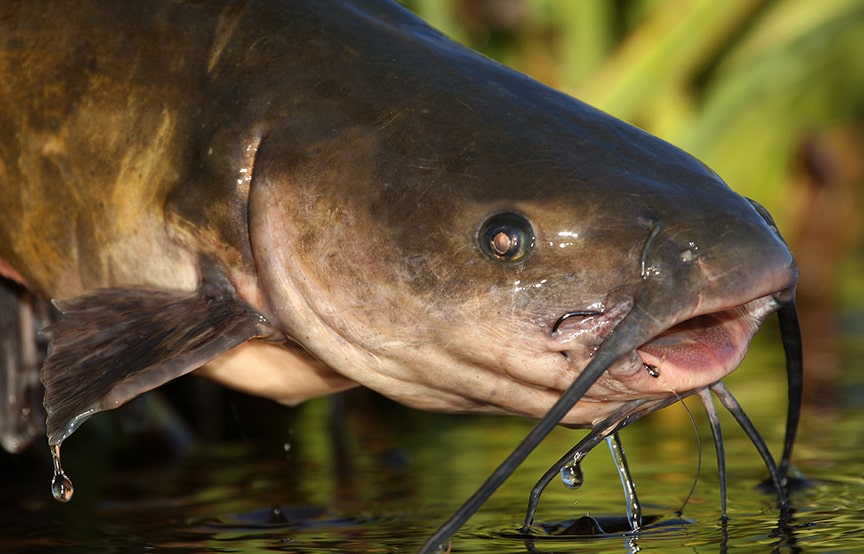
(282, 483)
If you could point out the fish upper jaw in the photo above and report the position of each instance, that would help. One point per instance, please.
(690, 351)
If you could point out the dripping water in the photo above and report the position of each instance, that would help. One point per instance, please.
(571, 474)
(61, 485)
(634, 508)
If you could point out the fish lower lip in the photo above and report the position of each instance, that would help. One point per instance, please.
(705, 348)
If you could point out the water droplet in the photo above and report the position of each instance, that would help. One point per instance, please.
(652, 370)
(571, 475)
(277, 516)
(61, 485)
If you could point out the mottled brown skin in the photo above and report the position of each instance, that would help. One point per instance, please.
(94, 137)
(334, 160)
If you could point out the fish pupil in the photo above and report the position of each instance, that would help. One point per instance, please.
(503, 244)
(506, 237)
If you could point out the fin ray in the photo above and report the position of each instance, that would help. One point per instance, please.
(112, 345)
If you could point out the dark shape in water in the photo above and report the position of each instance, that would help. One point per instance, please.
(601, 525)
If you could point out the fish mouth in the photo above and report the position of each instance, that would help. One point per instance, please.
(705, 348)
(692, 352)
(728, 328)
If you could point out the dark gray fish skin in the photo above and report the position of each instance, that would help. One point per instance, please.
(322, 171)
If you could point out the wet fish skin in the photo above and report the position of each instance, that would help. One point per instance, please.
(332, 162)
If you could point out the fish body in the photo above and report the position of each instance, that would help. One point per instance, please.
(299, 197)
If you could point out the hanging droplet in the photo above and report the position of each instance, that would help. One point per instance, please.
(61, 485)
(571, 475)
(652, 370)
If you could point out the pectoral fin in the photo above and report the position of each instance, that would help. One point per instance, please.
(112, 345)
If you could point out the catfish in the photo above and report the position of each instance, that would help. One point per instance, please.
(296, 198)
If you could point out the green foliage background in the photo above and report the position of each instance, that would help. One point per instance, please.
(760, 90)
(737, 83)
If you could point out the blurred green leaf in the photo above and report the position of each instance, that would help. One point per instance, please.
(737, 83)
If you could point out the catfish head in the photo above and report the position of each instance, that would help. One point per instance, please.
(461, 238)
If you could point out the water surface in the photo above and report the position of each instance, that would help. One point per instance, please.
(274, 479)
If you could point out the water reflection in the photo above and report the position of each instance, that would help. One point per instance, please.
(365, 475)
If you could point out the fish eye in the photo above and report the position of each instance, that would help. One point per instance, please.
(506, 237)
